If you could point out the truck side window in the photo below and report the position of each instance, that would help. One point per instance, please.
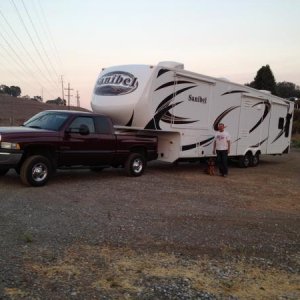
(103, 125)
(89, 122)
(280, 123)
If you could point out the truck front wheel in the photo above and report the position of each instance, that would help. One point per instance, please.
(36, 170)
(135, 165)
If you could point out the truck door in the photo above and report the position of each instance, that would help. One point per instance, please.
(92, 148)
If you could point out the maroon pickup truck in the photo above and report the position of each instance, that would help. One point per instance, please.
(59, 139)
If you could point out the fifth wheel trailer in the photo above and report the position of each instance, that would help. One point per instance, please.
(184, 108)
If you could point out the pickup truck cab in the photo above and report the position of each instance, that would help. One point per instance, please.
(58, 139)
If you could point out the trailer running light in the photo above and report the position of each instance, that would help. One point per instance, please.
(7, 145)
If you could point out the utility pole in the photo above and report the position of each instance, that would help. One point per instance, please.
(62, 88)
(69, 89)
(78, 97)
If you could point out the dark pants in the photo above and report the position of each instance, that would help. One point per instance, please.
(222, 156)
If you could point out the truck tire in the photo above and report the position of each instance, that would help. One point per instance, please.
(135, 164)
(3, 171)
(36, 170)
(244, 161)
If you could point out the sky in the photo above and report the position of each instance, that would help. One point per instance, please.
(43, 41)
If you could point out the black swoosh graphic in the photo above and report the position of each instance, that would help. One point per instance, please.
(222, 115)
(172, 83)
(260, 143)
(278, 136)
(130, 121)
(234, 92)
(192, 146)
(161, 72)
(171, 96)
(266, 111)
(154, 122)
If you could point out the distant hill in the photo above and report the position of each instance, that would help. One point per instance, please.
(14, 111)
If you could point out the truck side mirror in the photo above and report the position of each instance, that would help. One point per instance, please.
(84, 130)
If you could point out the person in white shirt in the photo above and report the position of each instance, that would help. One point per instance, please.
(222, 149)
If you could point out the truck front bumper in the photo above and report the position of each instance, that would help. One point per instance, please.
(9, 159)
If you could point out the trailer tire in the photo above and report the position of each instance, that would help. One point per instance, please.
(36, 170)
(255, 160)
(3, 172)
(135, 164)
(244, 161)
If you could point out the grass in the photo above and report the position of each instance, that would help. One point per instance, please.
(120, 271)
(27, 237)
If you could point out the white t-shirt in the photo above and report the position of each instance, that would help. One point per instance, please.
(221, 139)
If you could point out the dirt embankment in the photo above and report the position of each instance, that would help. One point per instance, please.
(14, 111)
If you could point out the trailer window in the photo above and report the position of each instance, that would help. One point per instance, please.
(280, 123)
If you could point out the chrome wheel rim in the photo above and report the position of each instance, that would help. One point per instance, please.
(137, 165)
(39, 172)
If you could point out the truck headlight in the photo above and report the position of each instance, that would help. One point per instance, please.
(7, 145)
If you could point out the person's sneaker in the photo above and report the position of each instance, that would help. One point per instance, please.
(225, 175)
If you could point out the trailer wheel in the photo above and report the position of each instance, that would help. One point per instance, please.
(3, 171)
(255, 160)
(36, 170)
(135, 165)
(244, 161)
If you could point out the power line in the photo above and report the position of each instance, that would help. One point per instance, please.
(32, 41)
(49, 32)
(12, 58)
(45, 35)
(38, 37)
(20, 62)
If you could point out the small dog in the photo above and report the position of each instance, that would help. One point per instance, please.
(210, 169)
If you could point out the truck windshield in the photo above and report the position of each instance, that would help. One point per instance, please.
(47, 120)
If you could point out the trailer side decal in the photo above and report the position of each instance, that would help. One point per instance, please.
(192, 146)
(130, 121)
(259, 144)
(162, 71)
(234, 92)
(278, 136)
(170, 83)
(163, 114)
(266, 111)
(222, 115)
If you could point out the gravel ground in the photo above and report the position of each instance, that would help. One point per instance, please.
(174, 233)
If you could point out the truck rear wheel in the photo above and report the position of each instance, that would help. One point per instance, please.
(36, 170)
(135, 165)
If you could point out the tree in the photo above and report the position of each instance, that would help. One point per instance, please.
(4, 89)
(264, 80)
(15, 91)
(288, 89)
